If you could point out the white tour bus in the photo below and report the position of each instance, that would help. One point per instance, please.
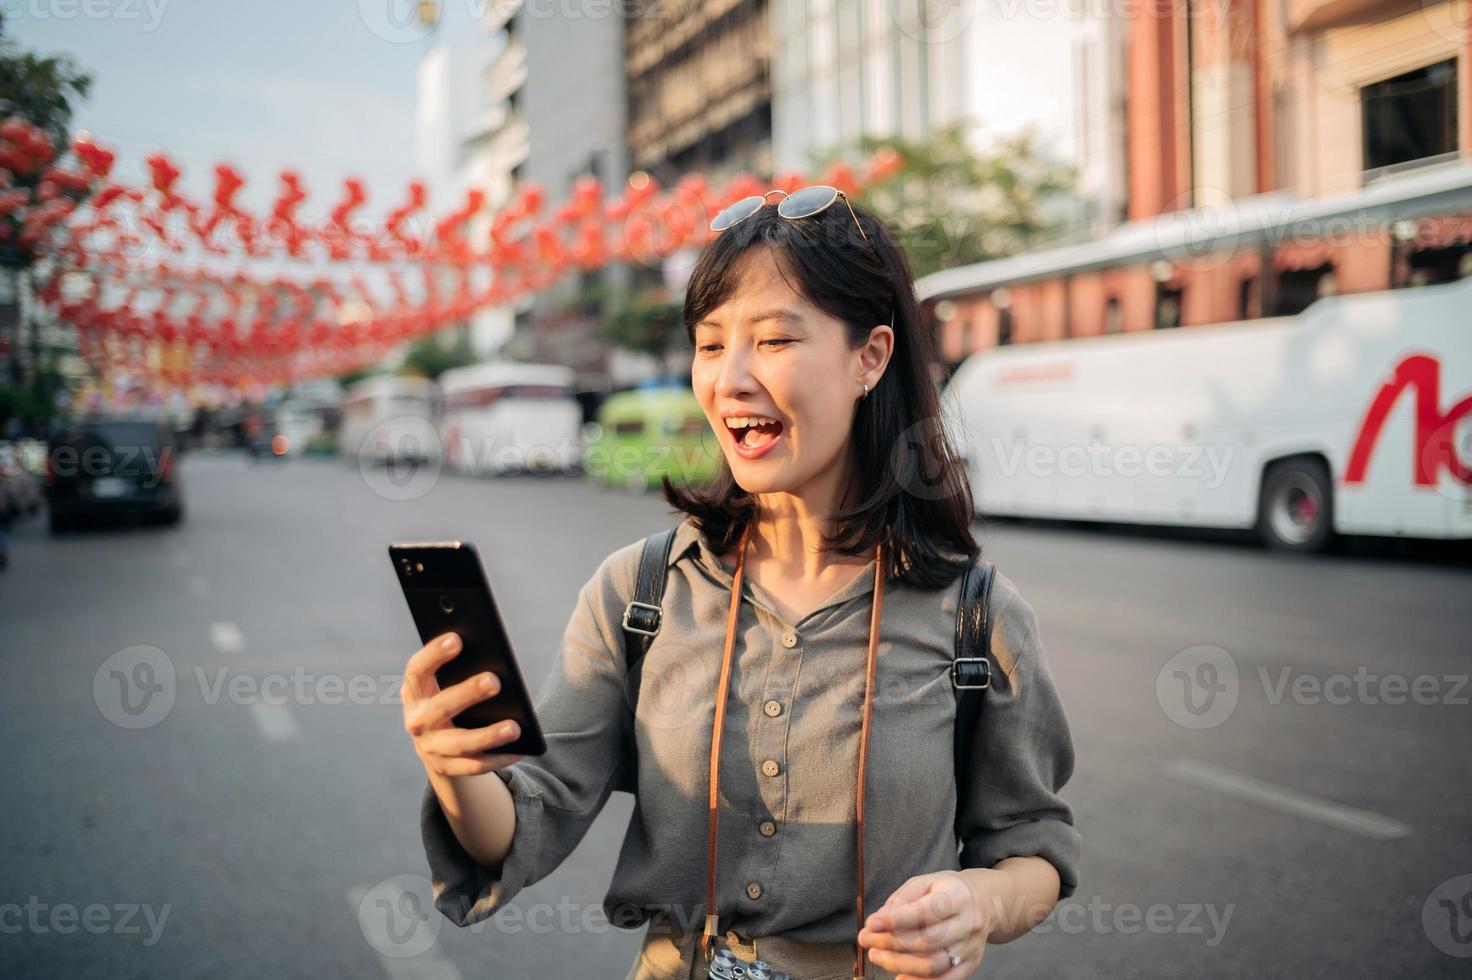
(1352, 416)
(389, 418)
(503, 417)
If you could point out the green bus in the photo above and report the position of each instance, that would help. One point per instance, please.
(648, 433)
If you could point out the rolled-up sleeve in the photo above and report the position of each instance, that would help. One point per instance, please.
(559, 794)
(1021, 754)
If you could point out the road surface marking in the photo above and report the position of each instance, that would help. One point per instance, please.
(1288, 800)
(375, 925)
(275, 721)
(227, 637)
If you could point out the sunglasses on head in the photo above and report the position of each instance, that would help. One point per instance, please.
(802, 203)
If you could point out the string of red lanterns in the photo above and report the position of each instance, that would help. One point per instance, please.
(182, 325)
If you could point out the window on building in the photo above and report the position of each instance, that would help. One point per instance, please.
(1410, 117)
(1298, 288)
(1168, 300)
(1430, 266)
(1248, 305)
(1113, 315)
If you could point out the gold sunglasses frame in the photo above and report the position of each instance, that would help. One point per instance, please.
(837, 194)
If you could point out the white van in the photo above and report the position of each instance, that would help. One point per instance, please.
(504, 417)
(388, 418)
(1354, 416)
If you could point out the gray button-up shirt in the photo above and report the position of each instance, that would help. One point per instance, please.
(789, 755)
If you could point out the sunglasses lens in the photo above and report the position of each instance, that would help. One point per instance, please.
(743, 208)
(808, 201)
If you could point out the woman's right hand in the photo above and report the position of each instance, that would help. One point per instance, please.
(444, 748)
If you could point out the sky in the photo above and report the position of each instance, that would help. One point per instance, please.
(325, 87)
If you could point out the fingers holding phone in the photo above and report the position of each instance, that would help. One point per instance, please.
(429, 714)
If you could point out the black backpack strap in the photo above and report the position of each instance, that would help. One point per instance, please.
(971, 672)
(642, 620)
(643, 615)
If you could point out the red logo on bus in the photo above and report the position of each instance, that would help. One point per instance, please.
(1435, 431)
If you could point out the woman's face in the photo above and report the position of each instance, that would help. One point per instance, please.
(768, 356)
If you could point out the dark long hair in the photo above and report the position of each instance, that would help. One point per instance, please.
(909, 482)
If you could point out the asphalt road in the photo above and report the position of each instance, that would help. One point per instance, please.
(206, 773)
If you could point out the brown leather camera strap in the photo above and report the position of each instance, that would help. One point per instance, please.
(712, 927)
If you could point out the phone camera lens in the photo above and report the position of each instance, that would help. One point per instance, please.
(447, 604)
(419, 566)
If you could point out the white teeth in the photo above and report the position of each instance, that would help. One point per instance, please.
(746, 421)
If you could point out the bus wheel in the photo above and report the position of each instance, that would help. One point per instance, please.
(1296, 509)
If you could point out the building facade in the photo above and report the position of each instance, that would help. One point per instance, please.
(1278, 152)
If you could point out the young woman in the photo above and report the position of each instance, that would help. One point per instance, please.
(801, 672)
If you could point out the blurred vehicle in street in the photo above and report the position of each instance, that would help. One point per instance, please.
(315, 410)
(20, 491)
(259, 433)
(389, 418)
(296, 427)
(1299, 427)
(647, 433)
(506, 417)
(112, 467)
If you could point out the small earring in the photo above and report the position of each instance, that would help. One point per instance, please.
(866, 389)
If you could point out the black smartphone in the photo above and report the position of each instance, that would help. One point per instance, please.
(447, 590)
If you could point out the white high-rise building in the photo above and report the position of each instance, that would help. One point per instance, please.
(843, 69)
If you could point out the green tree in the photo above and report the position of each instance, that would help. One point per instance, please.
(646, 323)
(43, 90)
(430, 358)
(951, 206)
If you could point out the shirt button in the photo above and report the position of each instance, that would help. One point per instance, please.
(770, 768)
(789, 640)
(754, 890)
(772, 708)
(767, 828)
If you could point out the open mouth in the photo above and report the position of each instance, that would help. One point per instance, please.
(754, 432)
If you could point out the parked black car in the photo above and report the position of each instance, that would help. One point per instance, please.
(113, 467)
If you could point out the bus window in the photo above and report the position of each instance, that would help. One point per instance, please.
(1298, 288)
(1004, 327)
(541, 392)
(690, 425)
(1168, 306)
